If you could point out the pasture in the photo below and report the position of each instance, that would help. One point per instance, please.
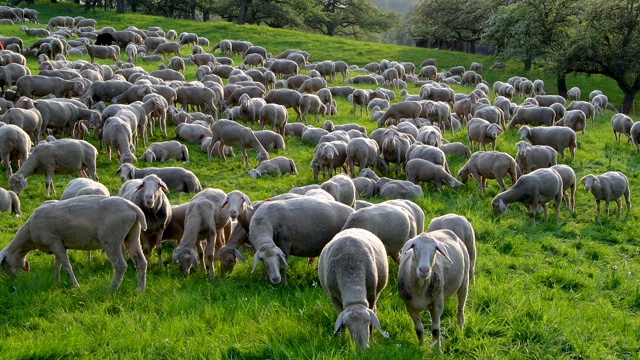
(562, 291)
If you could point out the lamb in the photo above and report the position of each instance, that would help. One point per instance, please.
(610, 186)
(600, 102)
(83, 186)
(275, 115)
(419, 170)
(532, 190)
(365, 188)
(574, 119)
(104, 91)
(276, 232)
(430, 135)
(231, 133)
(173, 177)
(457, 148)
(568, 183)
(312, 85)
(354, 288)
(558, 137)
(193, 133)
(64, 156)
(279, 165)
(485, 165)
(15, 146)
(342, 189)
(197, 96)
(48, 230)
(482, 132)
(547, 100)
(9, 202)
(425, 280)
(532, 115)
(166, 150)
(532, 157)
(102, 52)
(621, 124)
(393, 225)
(464, 230)
(206, 218)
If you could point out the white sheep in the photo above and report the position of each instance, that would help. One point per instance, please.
(610, 186)
(532, 190)
(557, 137)
(47, 229)
(569, 183)
(175, 178)
(83, 186)
(231, 133)
(342, 189)
(420, 170)
(328, 157)
(426, 280)
(621, 124)
(532, 157)
(464, 230)
(354, 287)
(166, 150)
(575, 120)
(9, 202)
(279, 165)
(484, 165)
(15, 146)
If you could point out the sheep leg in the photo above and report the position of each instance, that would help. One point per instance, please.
(200, 250)
(619, 206)
(158, 241)
(7, 162)
(245, 159)
(598, 208)
(61, 259)
(49, 184)
(57, 264)
(462, 299)
(436, 313)
(500, 181)
(532, 215)
(116, 257)
(209, 255)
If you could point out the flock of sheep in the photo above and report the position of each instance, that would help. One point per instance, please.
(123, 103)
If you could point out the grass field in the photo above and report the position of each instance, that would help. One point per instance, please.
(557, 291)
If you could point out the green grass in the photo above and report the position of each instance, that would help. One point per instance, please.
(546, 292)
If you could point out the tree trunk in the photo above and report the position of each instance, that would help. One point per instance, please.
(119, 6)
(627, 101)
(205, 15)
(244, 4)
(527, 65)
(562, 85)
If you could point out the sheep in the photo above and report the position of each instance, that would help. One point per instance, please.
(173, 177)
(310, 103)
(286, 97)
(429, 153)
(250, 109)
(312, 85)
(40, 85)
(275, 115)
(354, 288)
(231, 133)
(313, 135)
(279, 165)
(587, 108)
(365, 188)
(362, 152)
(532, 157)
(148, 193)
(547, 100)
(600, 102)
(392, 224)
(116, 132)
(621, 124)
(9, 202)
(457, 148)
(485, 165)
(166, 150)
(420, 170)
(426, 280)
(64, 156)
(635, 135)
(568, 183)
(464, 230)
(394, 148)
(574, 119)
(534, 189)
(397, 111)
(193, 133)
(275, 231)
(270, 140)
(574, 93)
(558, 137)
(48, 230)
(104, 91)
(15, 146)
(83, 186)
(482, 132)
(610, 186)
(532, 115)
(167, 48)
(342, 189)
(399, 189)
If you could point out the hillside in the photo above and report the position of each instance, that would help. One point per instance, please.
(565, 290)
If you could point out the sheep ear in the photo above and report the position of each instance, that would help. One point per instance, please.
(26, 266)
(443, 251)
(239, 256)
(282, 257)
(225, 203)
(584, 179)
(163, 186)
(246, 199)
(256, 258)
(119, 170)
(194, 261)
(408, 245)
(339, 323)
(23, 182)
(374, 320)
(503, 206)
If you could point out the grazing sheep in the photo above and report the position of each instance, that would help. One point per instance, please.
(394, 149)
(532, 115)
(532, 190)
(532, 157)
(117, 133)
(457, 148)
(83, 186)
(15, 146)
(362, 152)
(482, 132)
(286, 97)
(353, 288)
(568, 183)
(48, 230)
(276, 232)
(231, 133)
(393, 225)
(610, 186)
(313, 135)
(270, 140)
(365, 188)
(173, 177)
(600, 102)
(193, 133)
(63, 156)
(9, 202)
(275, 115)
(621, 124)
(250, 109)
(557, 137)
(328, 156)
(429, 153)
(587, 108)
(484, 165)
(463, 229)
(279, 165)
(399, 189)
(397, 111)
(310, 103)
(342, 189)
(426, 280)
(635, 135)
(420, 170)
(575, 120)
(166, 150)
(574, 93)
(167, 48)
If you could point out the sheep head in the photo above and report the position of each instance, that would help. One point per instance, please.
(499, 206)
(185, 258)
(237, 202)
(151, 187)
(525, 132)
(425, 248)
(228, 256)
(17, 182)
(11, 265)
(270, 255)
(358, 318)
(589, 181)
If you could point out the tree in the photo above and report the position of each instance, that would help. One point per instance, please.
(350, 18)
(607, 42)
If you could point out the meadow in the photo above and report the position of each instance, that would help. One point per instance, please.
(557, 291)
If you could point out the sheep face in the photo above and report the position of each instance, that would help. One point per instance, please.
(125, 171)
(228, 256)
(12, 266)
(499, 207)
(588, 181)
(262, 156)
(424, 249)
(151, 187)
(522, 148)
(185, 258)
(270, 255)
(237, 202)
(17, 182)
(254, 173)
(357, 318)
